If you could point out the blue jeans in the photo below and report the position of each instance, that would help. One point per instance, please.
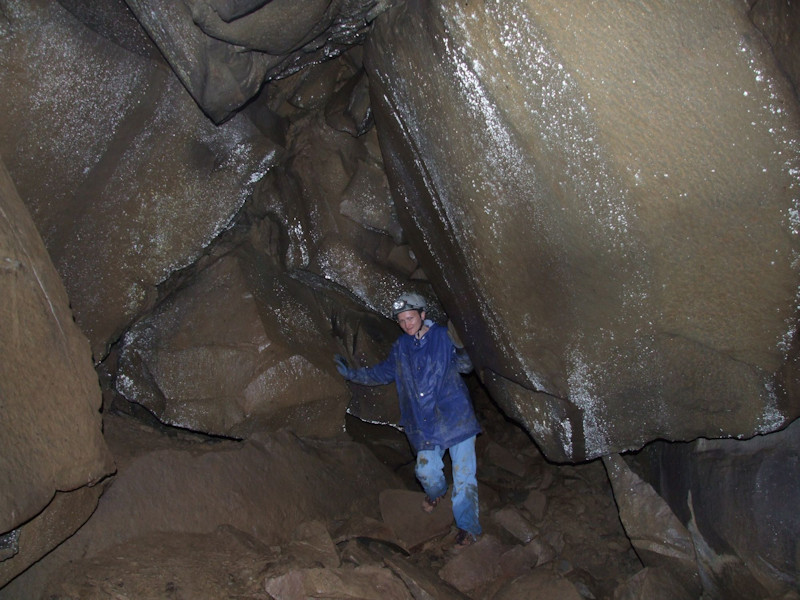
(430, 472)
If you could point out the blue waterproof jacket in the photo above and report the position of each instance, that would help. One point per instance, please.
(435, 407)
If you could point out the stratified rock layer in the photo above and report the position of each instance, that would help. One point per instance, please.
(607, 198)
(738, 499)
(659, 538)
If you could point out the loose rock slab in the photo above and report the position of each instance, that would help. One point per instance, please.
(401, 511)
(359, 583)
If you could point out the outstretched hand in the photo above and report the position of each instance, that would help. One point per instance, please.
(341, 365)
(454, 337)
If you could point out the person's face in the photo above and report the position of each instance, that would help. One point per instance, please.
(411, 321)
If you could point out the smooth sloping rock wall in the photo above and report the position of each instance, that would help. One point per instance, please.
(51, 433)
(605, 199)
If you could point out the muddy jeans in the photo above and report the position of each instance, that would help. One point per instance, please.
(430, 472)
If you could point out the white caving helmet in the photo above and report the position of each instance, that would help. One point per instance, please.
(408, 301)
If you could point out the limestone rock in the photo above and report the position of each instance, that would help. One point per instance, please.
(224, 563)
(603, 201)
(114, 21)
(274, 28)
(356, 553)
(401, 511)
(402, 259)
(332, 200)
(360, 526)
(60, 519)
(237, 351)
(501, 457)
(350, 108)
(366, 200)
(360, 583)
(536, 505)
(317, 84)
(338, 230)
(653, 583)
(267, 487)
(736, 498)
(422, 584)
(512, 520)
(126, 179)
(51, 427)
(657, 535)
(223, 52)
(312, 545)
(218, 77)
(474, 566)
(521, 559)
(538, 584)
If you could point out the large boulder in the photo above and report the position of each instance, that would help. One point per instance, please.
(333, 202)
(51, 433)
(338, 226)
(242, 348)
(247, 343)
(126, 179)
(604, 197)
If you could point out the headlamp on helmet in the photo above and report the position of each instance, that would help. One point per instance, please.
(410, 301)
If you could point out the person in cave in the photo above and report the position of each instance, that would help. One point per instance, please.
(435, 408)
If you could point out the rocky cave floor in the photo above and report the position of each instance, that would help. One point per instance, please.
(550, 531)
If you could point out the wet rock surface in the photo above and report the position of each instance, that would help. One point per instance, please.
(283, 517)
(736, 500)
(657, 535)
(126, 179)
(235, 352)
(223, 52)
(605, 203)
(616, 235)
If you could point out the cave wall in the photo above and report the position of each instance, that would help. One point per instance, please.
(136, 194)
(52, 447)
(603, 199)
(223, 51)
(125, 177)
(737, 500)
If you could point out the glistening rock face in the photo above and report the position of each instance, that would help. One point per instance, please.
(126, 179)
(608, 194)
(738, 500)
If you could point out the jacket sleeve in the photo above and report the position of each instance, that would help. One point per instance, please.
(379, 374)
